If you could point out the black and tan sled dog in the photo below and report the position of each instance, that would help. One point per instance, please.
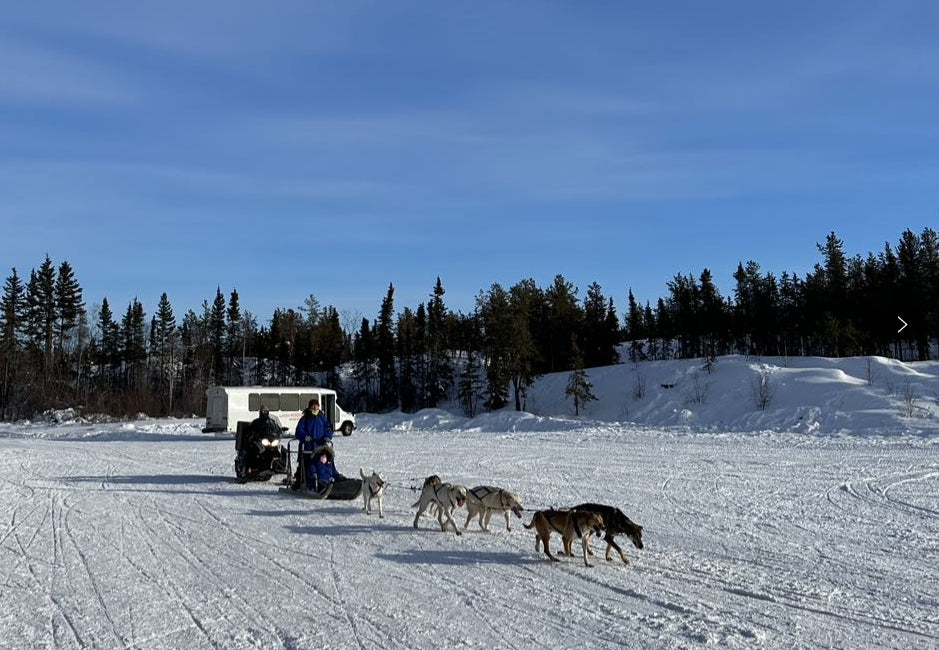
(616, 523)
(570, 524)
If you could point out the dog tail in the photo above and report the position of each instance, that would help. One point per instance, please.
(361, 472)
(530, 524)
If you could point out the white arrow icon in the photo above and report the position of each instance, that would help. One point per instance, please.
(904, 325)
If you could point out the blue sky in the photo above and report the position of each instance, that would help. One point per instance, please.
(289, 148)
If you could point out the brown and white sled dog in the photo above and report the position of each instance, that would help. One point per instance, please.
(616, 523)
(373, 489)
(483, 500)
(446, 498)
(570, 524)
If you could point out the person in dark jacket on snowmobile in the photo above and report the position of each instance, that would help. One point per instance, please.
(313, 431)
(264, 426)
(261, 427)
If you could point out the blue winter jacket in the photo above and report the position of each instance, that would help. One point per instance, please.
(324, 473)
(313, 430)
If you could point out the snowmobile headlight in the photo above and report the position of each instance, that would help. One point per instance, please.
(265, 442)
(275, 443)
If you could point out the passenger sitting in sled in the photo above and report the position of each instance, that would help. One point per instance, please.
(322, 473)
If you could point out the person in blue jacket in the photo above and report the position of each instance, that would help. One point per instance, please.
(322, 473)
(314, 427)
(313, 431)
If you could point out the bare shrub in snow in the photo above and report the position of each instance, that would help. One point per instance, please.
(698, 391)
(762, 390)
(908, 396)
(639, 385)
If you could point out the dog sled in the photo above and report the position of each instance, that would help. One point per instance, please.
(341, 489)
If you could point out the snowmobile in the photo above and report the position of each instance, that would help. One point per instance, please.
(344, 489)
(258, 457)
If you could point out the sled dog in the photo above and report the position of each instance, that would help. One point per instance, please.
(571, 524)
(446, 497)
(616, 523)
(483, 500)
(373, 489)
(433, 479)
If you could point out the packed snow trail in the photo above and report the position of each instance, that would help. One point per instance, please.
(136, 535)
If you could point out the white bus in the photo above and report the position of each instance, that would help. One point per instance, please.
(226, 406)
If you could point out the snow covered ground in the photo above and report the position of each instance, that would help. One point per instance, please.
(760, 530)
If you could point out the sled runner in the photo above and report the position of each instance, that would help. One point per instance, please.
(344, 488)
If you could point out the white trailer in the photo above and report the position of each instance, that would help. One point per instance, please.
(226, 406)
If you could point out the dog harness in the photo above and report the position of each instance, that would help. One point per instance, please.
(577, 529)
(486, 491)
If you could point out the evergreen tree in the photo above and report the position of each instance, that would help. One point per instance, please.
(564, 317)
(12, 317)
(363, 367)
(407, 356)
(929, 250)
(109, 350)
(217, 337)
(196, 358)
(912, 289)
(663, 327)
(579, 387)
(385, 353)
(497, 337)
(333, 348)
(69, 308)
(41, 316)
(636, 330)
(471, 385)
(712, 319)
(234, 341)
(313, 310)
(684, 306)
(440, 367)
(519, 352)
(598, 339)
(421, 363)
(134, 348)
(164, 347)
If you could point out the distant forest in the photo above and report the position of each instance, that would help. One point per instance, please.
(54, 354)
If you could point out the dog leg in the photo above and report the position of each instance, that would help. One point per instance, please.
(547, 551)
(420, 511)
(610, 545)
(586, 541)
(508, 522)
(484, 519)
(568, 543)
(381, 507)
(443, 525)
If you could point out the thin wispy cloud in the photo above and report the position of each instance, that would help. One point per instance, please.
(481, 143)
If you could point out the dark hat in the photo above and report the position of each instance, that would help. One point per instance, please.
(313, 401)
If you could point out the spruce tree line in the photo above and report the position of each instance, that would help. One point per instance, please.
(846, 306)
(54, 354)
